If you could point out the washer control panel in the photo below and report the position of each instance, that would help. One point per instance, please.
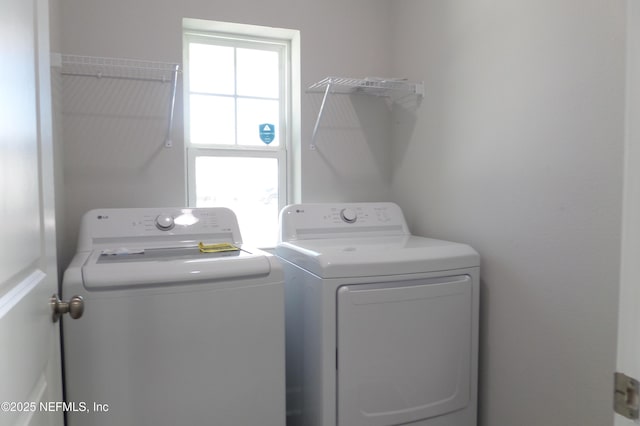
(308, 221)
(157, 226)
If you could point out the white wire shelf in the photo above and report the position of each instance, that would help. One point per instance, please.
(126, 69)
(132, 69)
(394, 88)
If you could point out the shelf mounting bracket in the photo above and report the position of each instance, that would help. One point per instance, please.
(320, 113)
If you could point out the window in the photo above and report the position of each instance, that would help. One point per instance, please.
(238, 125)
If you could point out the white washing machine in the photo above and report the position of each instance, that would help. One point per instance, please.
(382, 326)
(171, 335)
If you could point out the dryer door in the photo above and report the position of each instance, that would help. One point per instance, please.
(404, 350)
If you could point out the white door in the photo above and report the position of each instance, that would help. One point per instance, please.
(29, 341)
(629, 319)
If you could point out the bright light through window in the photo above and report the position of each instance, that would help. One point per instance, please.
(258, 73)
(211, 69)
(253, 196)
(212, 120)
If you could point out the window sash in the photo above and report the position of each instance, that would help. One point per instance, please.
(239, 41)
(280, 155)
(285, 47)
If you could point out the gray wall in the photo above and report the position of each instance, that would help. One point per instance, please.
(517, 149)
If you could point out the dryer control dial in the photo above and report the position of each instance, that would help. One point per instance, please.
(165, 222)
(348, 215)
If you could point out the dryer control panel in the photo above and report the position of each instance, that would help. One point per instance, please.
(314, 221)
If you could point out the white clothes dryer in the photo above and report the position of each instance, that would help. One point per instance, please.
(381, 325)
(172, 335)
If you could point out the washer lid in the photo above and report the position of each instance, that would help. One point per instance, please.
(377, 256)
(170, 266)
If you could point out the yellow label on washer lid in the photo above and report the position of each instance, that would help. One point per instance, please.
(216, 248)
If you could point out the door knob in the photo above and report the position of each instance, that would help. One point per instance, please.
(74, 307)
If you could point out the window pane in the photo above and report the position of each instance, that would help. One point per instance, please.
(211, 69)
(249, 187)
(258, 73)
(212, 120)
(255, 112)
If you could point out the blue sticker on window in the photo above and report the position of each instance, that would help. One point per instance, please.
(267, 132)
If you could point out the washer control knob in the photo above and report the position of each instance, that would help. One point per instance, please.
(348, 215)
(165, 222)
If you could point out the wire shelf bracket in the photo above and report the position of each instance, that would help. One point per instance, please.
(393, 88)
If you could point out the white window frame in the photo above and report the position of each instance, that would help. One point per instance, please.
(287, 152)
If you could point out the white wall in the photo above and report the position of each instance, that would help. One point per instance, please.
(517, 149)
(113, 161)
